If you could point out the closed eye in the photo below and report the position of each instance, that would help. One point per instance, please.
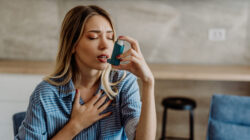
(92, 38)
(110, 38)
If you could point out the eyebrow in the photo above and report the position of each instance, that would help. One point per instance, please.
(98, 31)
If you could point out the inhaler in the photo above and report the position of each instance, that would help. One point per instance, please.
(118, 49)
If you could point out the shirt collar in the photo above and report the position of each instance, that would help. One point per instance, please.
(69, 89)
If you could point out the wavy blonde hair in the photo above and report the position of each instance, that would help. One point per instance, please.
(71, 31)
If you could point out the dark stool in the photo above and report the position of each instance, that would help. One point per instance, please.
(178, 103)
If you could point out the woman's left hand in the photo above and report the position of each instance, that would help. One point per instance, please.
(136, 62)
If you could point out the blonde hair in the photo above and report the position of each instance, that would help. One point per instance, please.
(71, 31)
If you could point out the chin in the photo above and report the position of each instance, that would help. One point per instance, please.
(101, 66)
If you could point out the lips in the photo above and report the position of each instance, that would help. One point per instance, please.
(102, 58)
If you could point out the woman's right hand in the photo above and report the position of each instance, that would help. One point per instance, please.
(83, 116)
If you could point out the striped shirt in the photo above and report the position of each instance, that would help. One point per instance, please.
(50, 109)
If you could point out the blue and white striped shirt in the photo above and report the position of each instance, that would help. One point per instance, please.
(50, 109)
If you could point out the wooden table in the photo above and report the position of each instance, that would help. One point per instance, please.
(160, 71)
(201, 72)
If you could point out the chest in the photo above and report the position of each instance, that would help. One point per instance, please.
(87, 94)
(112, 124)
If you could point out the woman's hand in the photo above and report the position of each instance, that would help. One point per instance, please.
(138, 66)
(83, 116)
(136, 62)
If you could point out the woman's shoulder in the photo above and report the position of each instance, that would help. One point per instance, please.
(116, 75)
(43, 90)
(128, 87)
(45, 86)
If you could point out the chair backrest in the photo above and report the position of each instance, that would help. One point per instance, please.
(17, 119)
(229, 118)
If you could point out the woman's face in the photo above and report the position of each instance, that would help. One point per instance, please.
(96, 43)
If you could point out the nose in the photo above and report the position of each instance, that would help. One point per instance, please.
(104, 43)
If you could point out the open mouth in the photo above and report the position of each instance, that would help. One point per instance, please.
(102, 58)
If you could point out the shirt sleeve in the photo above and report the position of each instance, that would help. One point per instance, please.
(130, 105)
(33, 127)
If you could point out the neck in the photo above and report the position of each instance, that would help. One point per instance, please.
(90, 78)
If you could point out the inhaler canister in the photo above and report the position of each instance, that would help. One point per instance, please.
(118, 49)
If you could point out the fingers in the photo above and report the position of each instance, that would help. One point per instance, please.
(130, 52)
(121, 66)
(104, 115)
(101, 101)
(134, 43)
(133, 54)
(130, 59)
(102, 108)
(94, 99)
(77, 98)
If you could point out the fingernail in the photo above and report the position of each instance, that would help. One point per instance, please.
(118, 56)
(98, 94)
(77, 91)
(121, 36)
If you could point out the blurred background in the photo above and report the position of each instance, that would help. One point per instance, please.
(170, 32)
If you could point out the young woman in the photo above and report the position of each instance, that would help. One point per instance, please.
(71, 102)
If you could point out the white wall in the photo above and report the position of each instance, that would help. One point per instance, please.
(169, 31)
(15, 90)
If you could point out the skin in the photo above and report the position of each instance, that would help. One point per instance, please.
(146, 128)
(97, 39)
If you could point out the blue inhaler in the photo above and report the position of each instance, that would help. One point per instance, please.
(118, 49)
